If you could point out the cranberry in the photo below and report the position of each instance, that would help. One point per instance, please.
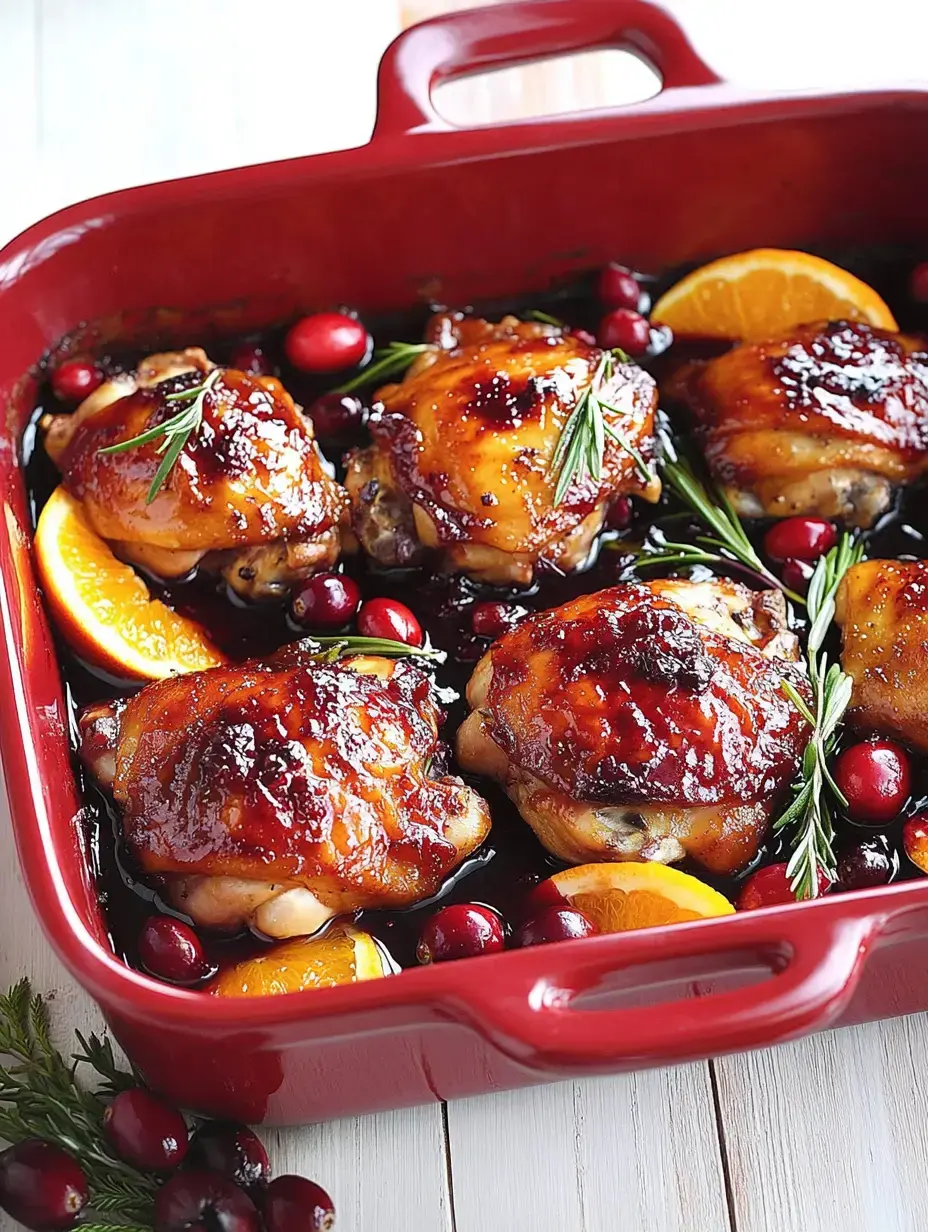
(145, 1131)
(248, 358)
(336, 414)
(232, 1150)
(865, 864)
(494, 619)
(797, 574)
(199, 1201)
(621, 513)
(584, 336)
(541, 896)
(293, 1204)
(326, 601)
(875, 778)
(41, 1186)
(462, 930)
(553, 924)
(389, 619)
(326, 342)
(75, 379)
(171, 950)
(799, 539)
(769, 887)
(470, 650)
(915, 840)
(617, 288)
(918, 282)
(625, 329)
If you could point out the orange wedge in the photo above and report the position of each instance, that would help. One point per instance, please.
(761, 294)
(103, 608)
(618, 897)
(343, 955)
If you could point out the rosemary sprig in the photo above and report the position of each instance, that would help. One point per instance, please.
(658, 550)
(388, 362)
(582, 443)
(545, 318)
(333, 648)
(176, 431)
(809, 817)
(715, 511)
(40, 1098)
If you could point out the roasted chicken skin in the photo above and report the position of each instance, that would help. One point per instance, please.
(645, 722)
(825, 421)
(462, 451)
(882, 608)
(248, 495)
(283, 792)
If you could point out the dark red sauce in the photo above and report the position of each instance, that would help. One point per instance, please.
(511, 862)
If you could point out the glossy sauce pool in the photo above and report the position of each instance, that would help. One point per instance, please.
(511, 861)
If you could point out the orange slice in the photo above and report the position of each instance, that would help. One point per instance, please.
(343, 955)
(618, 897)
(756, 295)
(104, 609)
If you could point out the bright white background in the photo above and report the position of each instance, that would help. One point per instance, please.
(822, 1135)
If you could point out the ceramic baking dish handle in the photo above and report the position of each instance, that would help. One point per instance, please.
(501, 35)
(812, 968)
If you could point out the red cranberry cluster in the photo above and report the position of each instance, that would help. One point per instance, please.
(218, 1177)
(464, 930)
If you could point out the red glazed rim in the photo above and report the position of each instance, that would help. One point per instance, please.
(814, 951)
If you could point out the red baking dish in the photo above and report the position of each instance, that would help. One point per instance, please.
(429, 210)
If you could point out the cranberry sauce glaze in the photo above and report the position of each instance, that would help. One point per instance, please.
(458, 617)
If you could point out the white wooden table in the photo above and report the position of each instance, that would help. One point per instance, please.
(823, 1135)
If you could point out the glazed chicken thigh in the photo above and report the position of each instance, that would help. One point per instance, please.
(882, 608)
(248, 495)
(282, 792)
(463, 447)
(825, 421)
(645, 722)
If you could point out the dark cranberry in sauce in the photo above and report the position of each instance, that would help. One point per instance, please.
(326, 601)
(918, 283)
(462, 930)
(336, 415)
(796, 575)
(626, 329)
(617, 288)
(326, 342)
(171, 950)
(494, 619)
(386, 618)
(876, 778)
(75, 379)
(867, 863)
(799, 539)
(252, 359)
(770, 887)
(621, 513)
(553, 924)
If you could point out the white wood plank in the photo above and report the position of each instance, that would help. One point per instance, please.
(637, 1151)
(830, 1132)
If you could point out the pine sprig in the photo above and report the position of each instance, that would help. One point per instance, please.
(40, 1098)
(713, 508)
(387, 362)
(582, 444)
(809, 818)
(176, 431)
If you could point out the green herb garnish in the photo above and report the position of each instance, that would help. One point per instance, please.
(388, 362)
(40, 1098)
(176, 431)
(713, 508)
(809, 817)
(582, 443)
(333, 648)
